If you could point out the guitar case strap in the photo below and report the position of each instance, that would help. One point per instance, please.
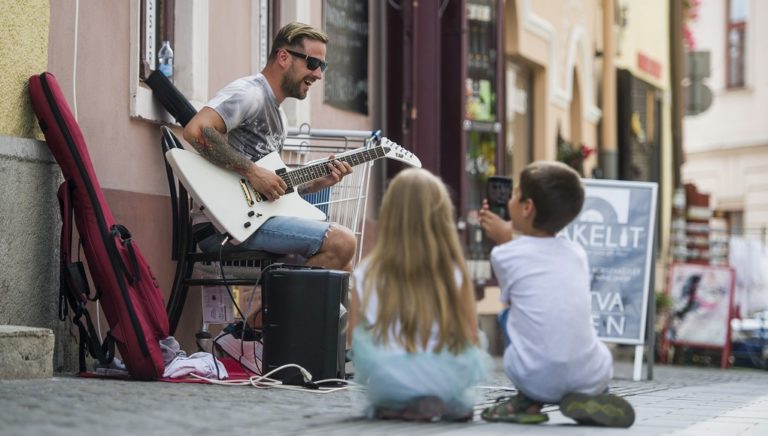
(74, 291)
(172, 100)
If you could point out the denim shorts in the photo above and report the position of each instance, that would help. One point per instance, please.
(280, 234)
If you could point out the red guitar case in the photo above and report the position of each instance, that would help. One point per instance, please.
(124, 284)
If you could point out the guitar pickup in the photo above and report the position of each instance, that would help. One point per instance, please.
(247, 193)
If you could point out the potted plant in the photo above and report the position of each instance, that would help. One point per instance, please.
(571, 155)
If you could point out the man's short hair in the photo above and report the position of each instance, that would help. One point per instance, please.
(293, 35)
(556, 191)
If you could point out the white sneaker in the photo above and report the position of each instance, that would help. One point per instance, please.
(248, 353)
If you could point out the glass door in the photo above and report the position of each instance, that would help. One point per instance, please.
(482, 129)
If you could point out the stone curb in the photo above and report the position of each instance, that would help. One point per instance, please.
(25, 352)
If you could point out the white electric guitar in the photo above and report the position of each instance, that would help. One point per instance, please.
(235, 208)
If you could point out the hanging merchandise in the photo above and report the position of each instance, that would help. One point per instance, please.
(749, 258)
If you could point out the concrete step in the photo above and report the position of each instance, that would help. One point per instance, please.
(25, 352)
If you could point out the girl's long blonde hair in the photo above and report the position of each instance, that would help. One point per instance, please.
(413, 268)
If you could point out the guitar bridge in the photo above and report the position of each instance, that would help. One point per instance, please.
(247, 193)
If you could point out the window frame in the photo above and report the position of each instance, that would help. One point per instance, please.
(735, 83)
(191, 33)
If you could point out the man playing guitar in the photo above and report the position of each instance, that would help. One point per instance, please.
(244, 122)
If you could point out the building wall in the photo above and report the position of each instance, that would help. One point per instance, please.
(29, 179)
(734, 120)
(23, 52)
(726, 146)
(557, 39)
(647, 34)
(312, 109)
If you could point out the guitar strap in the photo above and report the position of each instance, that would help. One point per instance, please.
(74, 291)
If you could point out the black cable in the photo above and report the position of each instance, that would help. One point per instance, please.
(224, 278)
(215, 363)
(237, 307)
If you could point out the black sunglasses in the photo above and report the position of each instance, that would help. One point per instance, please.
(312, 62)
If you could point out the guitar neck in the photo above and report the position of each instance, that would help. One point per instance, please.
(319, 170)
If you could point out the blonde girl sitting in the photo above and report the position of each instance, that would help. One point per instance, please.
(415, 341)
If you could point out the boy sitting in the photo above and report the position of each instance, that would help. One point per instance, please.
(554, 355)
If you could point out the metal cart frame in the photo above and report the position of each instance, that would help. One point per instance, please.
(346, 202)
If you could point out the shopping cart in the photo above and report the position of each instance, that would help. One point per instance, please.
(346, 202)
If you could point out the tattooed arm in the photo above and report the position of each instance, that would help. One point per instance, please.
(205, 132)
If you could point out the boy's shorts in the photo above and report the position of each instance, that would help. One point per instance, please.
(502, 317)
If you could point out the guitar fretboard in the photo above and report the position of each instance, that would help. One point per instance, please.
(311, 172)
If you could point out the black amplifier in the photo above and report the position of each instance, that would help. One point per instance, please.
(304, 322)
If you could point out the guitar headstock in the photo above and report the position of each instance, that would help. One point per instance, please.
(396, 151)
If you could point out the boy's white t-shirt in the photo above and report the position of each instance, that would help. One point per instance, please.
(553, 347)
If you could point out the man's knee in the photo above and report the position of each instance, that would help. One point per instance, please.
(340, 243)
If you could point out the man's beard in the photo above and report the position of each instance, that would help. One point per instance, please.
(293, 88)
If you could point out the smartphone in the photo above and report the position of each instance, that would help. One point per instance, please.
(499, 193)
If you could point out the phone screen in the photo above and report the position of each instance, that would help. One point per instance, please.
(499, 193)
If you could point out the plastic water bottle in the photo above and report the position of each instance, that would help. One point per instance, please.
(165, 59)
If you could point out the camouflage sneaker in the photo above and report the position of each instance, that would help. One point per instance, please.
(513, 409)
(604, 410)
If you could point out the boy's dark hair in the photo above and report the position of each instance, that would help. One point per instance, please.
(293, 35)
(556, 191)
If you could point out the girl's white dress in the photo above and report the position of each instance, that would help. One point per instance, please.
(394, 376)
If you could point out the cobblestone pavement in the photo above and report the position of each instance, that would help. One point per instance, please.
(680, 400)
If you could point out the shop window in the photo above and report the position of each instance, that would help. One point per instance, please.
(157, 20)
(736, 43)
(519, 117)
(483, 129)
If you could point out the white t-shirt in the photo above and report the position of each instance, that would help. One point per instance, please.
(255, 122)
(553, 347)
(370, 312)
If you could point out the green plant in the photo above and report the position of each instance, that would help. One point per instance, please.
(663, 302)
(573, 156)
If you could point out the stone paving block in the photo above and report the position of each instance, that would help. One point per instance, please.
(25, 352)
(715, 428)
(756, 430)
(658, 425)
(757, 410)
(728, 418)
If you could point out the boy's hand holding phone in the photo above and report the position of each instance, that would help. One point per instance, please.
(499, 192)
(494, 217)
